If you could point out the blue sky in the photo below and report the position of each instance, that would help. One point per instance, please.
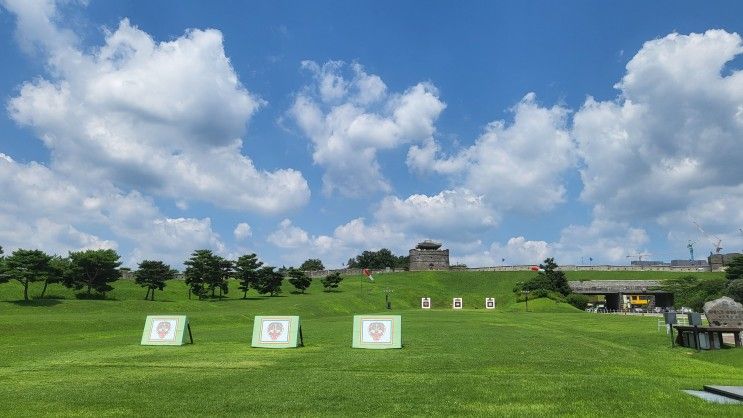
(507, 130)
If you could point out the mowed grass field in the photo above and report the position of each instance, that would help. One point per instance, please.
(68, 357)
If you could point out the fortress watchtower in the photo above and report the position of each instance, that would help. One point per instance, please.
(427, 255)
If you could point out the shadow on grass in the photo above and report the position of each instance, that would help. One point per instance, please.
(36, 302)
(49, 297)
(93, 296)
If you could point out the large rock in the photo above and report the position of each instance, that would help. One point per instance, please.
(724, 312)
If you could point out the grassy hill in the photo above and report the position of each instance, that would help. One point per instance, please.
(82, 357)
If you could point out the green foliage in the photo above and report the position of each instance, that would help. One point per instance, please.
(550, 279)
(312, 264)
(379, 260)
(152, 275)
(207, 272)
(246, 272)
(60, 269)
(299, 279)
(93, 270)
(539, 282)
(269, 281)
(734, 270)
(331, 281)
(578, 300)
(735, 290)
(692, 292)
(25, 267)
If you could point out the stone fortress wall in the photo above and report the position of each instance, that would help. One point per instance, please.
(430, 258)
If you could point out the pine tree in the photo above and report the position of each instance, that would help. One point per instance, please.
(152, 275)
(246, 270)
(299, 279)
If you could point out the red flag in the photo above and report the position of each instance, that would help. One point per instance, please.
(367, 273)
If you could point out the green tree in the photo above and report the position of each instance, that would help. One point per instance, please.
(269, 281)
(734, 270)
(578, 300)
(93, 270)
(693, 292)
(299, 279)
(246, 271)
(557, 278)
(549, 279)
(331, 281)
(2, 265)
(221, 281)
(735, 290)
(379, 260)
(26, 267)
(60, 269)
(152, 275)
(312, 264)
(206, 272)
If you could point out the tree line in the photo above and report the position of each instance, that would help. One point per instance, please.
(91, 273)
(379, 260)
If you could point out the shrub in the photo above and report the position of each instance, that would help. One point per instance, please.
(331, 281)
(578, 300)
(735, 290)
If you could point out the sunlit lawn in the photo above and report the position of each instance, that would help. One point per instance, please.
(82, 357)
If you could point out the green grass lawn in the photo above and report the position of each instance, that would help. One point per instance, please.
(82, 357)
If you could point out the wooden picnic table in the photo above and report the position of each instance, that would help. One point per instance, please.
(711, 331)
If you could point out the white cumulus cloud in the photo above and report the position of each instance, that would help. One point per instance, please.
(518, 166)
(161, 117)
(668, 148)
(242, 231)
(349, 116)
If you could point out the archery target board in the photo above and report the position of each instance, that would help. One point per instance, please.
(165, 330)
(425, 303)
(456, 303)
(276, 332)
(489, 303)
(377, 331)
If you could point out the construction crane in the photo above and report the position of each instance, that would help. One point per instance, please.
(714, 239)
(690, 246)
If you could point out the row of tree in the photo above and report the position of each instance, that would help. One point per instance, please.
(206, 274)
(92, 270)
(379, 260)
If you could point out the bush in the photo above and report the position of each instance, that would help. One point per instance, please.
(735, 290)
(693, 292)
(578, 300)
(331, 281)
(541, 293)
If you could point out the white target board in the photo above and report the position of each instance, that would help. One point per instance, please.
(489, 303)
(425, 303)
(277, 332)
(456, 303)
(166, 330)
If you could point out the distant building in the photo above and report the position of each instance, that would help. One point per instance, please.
(688, 263)
(718, 261)
(427, 255)
(646, 263)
